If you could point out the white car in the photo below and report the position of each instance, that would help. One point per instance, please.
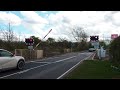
(91, 49)
(9, 60)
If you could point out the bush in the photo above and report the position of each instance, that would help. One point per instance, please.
(114, 51)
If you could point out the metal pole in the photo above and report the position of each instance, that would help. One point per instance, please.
(30, 51)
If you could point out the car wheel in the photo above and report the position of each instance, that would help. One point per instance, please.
(20, 64)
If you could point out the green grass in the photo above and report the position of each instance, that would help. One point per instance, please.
(90, 69)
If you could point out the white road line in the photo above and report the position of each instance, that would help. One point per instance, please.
(35, 67)
(22, 71)
(42, 59)
(46, 64)
(47, 58)
(39, 62)
(64, 59)
(72, 68)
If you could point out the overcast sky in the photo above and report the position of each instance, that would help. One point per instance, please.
(38, 23)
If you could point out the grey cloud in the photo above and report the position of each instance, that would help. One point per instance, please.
(31, 21)
(66, 20)
(109, 18)
(62, 21)
(116, 24)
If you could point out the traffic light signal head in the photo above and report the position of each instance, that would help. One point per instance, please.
(94, 38)
(91, 37)
(29, 41)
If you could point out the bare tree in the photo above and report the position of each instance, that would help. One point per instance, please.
(76, 33)
(8, 33)
(79, 34)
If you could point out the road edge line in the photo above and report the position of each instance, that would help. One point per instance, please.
(61, 76)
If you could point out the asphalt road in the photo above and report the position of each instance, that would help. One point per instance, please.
(48, 68)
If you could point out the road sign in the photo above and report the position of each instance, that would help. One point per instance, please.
(30, 47)
(95, 44)
(113, 36)
(29, 41)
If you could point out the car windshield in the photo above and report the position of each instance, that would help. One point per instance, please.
(5, 53)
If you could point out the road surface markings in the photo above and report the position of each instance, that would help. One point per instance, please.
(41, 59)
(64, 59)
(73, 67)
(36, 67)
(49, 58)
(41, 66)
(22, 71)
(39, 62)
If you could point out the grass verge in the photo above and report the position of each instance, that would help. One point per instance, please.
(94, 69)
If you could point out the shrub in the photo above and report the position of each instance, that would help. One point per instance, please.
(114, 51)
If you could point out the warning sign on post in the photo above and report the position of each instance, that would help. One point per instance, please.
(113, 36)
(30, 47)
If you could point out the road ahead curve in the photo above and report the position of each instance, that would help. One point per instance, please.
(49, 68)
